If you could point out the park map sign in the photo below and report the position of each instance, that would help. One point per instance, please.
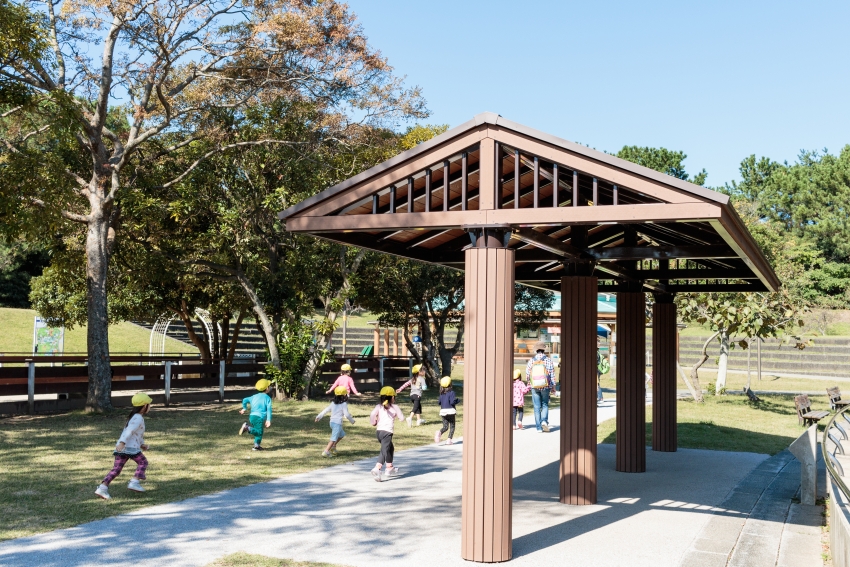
(46, 339)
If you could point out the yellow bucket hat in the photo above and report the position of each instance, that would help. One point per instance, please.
(340, 391)
(140, 400)
(263, 384)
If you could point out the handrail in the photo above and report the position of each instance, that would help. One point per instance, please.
(826, 457)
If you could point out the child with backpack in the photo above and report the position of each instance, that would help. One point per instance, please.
(338, 409)
(448, 401)
(129, 447)
(261, 413)
(383, 417)
(417, 384)
(518, 406)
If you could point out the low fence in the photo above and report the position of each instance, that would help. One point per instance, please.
(370, 374)
(31, 376)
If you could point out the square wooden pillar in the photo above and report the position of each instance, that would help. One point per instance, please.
(664, 356)
(578, 389)
(487, 436)
(631, 382)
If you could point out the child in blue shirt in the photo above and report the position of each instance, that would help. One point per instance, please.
(261, 411)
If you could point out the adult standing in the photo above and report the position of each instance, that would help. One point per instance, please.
(540, 375)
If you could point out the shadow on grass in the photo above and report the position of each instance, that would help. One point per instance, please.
(708, 435)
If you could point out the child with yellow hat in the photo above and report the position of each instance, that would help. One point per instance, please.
(417, 384)
(383, 417)
(344, 379)
(448, 411)
(338, 409)
(261, 411)
(129, 447)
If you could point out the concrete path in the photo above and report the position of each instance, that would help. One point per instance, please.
(768, 529)
(340, 515)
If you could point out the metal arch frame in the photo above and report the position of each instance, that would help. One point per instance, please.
(159, 331)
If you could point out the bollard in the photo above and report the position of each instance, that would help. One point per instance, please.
(381, 371)
(31, 387)
(221, 381)
(167, 383)
(805, 450)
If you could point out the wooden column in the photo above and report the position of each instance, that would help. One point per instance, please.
(387, 341)
(664, 346)
(487, 436)
(631, 393)
(377, 341)
(395, 342)
(578, 390)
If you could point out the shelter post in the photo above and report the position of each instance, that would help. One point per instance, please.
(664, 356)
(578, 390)
(631, 382)
(486, 508)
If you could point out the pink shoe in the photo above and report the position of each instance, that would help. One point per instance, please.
(519, 426)
(450, 442)
(437, 436)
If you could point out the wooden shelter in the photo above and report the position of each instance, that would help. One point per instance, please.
(508, 203)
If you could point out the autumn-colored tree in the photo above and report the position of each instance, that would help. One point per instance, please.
(168, 68)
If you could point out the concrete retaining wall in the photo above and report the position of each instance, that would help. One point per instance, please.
(839, 526)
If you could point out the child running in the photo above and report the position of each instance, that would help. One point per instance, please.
(448, 401)
(261, 411)
(130, 446)
(344, 379)
(520, 390)
(383, 417)
(338, 409)
(416, 385)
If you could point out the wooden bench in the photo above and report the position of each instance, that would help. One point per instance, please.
(835, 401)
(805, 415)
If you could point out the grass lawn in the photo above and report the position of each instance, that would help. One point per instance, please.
(52, 464)
(250, 560)
(17, 327)
(731, 423)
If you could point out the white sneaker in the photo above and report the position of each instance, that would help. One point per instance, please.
(377, 474)
(135, 485)
(545, 427)
(421, 422)
(391, 473)
(450, 442)
(103, 492)
(325, 454)
(437, 436)
(409, 421)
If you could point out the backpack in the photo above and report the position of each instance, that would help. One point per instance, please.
(603, 367)
(539, 374)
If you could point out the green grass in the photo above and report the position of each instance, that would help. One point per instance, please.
(730, 423)
(17, 325)
(838, 329)
(251, 560)
(194, 451)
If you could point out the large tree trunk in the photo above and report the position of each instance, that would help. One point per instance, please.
(235, 337)
(97, 261)
(723, 363)
(695, 368)
(312, 366)
(269, 330)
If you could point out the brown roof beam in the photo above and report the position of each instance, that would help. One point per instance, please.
(661, 252)
(695, 274)
(550, 244)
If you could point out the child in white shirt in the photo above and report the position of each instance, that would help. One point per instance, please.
(383, 417)
(338, 409)
(129, 447)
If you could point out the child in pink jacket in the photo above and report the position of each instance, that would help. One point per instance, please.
(520, 390)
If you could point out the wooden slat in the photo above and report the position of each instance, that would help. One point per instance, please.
(578, 469)
(631, 395)
(664, 428)
(488, 441)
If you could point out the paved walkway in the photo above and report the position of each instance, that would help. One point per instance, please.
(340, 515)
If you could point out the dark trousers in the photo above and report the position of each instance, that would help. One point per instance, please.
(417, 404)
(448, 424)
(387, 448)
(516, 414)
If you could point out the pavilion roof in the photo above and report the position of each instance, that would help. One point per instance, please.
(564, 204)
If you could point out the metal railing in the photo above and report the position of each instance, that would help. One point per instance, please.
(833, 467)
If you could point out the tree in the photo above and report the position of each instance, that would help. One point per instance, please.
(808, 200)
(169, 66)
(666, 161)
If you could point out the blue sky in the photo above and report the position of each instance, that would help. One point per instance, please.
(717, 80)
